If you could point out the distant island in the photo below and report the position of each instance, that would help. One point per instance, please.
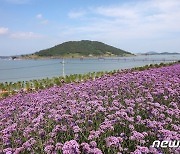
(159, 53)
(10, 57)
(78, 49)
(5, 57)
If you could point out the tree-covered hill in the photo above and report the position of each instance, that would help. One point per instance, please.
(82, 48)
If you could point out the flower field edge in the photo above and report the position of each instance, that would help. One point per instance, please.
(9, 88)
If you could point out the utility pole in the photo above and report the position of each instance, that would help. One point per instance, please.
(63, 67)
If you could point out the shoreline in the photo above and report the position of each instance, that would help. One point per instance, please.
(69, 57)
(60, 80)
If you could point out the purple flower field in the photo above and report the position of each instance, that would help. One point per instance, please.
(120, 113)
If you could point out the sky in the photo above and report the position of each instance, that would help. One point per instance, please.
(137, 26)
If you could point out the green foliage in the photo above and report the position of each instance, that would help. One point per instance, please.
(5, 94)
(82, 48)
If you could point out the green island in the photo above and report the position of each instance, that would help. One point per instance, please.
(79, 49)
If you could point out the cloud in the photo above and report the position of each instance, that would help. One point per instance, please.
(25, 35)
(74, 14)
(41, 19)
(3, 30)
(115, 11)
(39, 16)
(141, 21)
(18, 35)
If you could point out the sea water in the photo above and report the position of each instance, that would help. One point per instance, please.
(22, 70)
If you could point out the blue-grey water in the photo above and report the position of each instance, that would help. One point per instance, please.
(21, 70)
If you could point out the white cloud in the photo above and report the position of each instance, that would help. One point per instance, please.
(120, 12)
(39, 16)
(140, 21)
(144, 19)
(25, 35)
(18, 35)
(76, 14)
(3, 30)
(41, 19)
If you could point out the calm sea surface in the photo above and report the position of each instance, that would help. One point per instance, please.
(18, 70)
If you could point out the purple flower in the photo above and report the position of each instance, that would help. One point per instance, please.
(58, 146)
(86, 147)
(143, 149)
(71, 147)
(76, 129)
(18, 150)
(96, 151)
(136, 136)
(94, 134)
(131, 127)
(48, 149)
(112, 141)
(93, 144)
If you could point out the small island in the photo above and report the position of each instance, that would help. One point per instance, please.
(160, 53)
(79, 49)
